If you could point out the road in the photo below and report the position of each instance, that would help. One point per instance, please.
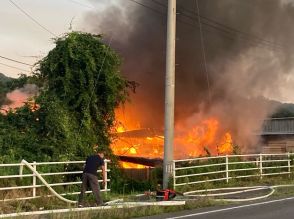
(272, 209)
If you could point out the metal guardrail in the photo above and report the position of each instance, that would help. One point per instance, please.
(224, 168)
(33, 187)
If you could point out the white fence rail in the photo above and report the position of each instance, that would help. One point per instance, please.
(225, 168)
(11, 179)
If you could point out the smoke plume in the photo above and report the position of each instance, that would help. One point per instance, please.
(248, 51)
(18, 97)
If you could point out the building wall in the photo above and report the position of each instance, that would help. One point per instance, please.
(278, 143)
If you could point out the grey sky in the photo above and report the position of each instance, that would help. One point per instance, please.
(23, 40)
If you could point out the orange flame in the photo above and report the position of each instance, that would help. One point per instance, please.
(18, 99)
(201, 138)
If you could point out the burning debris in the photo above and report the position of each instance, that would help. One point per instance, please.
(247, 63)
(197, 138)
(19, 97)
(142, 161)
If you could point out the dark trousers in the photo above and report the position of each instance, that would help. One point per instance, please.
(92, 180)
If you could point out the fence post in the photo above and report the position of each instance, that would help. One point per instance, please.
(260, 165)
(227, 168)
(174, 174)
(34, 179)
(106, 176)
(289, 164)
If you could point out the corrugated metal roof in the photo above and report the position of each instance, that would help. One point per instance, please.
(278, 126)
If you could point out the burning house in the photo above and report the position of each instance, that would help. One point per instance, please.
(278, 135)
(215, 108)
(144, 146)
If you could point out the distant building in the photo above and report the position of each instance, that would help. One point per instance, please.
(278, 135)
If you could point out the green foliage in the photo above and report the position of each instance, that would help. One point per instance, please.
(82, 76)
(9, 84)
(3, 88)
(284, 110)
(80, 87)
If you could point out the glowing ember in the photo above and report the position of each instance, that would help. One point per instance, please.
(226, 146)
(128, 165)
(120, 129)
(17, 99)
(193, 140)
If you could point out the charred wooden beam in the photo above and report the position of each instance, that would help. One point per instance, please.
(141, 133)
(151, 162)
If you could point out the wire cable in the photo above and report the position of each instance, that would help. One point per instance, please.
(223, 27)
(13, 60)
(31, 18)
(203, 50)
(216, 26)
(234, 29)
(81, 4)
(10, 66)
(148, 7)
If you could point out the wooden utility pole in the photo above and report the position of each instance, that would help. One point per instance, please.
(169, 93)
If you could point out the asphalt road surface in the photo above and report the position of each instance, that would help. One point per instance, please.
(272, 209)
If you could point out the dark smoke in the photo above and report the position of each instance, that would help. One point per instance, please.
(243, 71)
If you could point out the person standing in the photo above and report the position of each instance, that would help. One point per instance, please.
(89, 177)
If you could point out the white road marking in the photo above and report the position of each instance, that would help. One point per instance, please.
(231, 208)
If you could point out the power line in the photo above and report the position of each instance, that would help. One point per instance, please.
(218, 26)
(148, 7)
(33, 19)
(81, 4)
(203, 49)
(225, 27)
(10, 66)
(233, 29)
(13, 60)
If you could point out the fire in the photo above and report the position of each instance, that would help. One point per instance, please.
(120, 129)
(226, 145)
(201, 139)
(191, 140)
(18, 99)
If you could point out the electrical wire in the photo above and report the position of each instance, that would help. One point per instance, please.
(13, 60)
(33, 19)
(242, 33)
(216, 26)
(221, 25)
(81, 4)
(10, 66)
(203, 51)
(150, 8)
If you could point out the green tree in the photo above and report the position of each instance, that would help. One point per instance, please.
(80, 88)
(284, 110)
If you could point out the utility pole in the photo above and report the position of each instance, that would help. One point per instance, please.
(169, 93)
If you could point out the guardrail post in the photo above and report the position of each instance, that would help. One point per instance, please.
(174, 174)
(289, 164)
(227, 168)
(106, 176)
(260, 165)
(34, 179)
